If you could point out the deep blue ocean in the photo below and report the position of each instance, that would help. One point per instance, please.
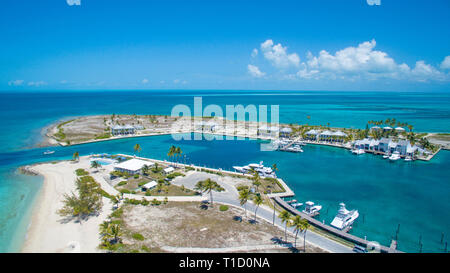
(413, 194)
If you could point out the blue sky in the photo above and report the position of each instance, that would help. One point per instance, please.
(287, 45)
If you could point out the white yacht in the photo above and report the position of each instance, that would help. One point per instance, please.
(395, 156)
(344, 218)
(358, 151)
(262, 171)
(386, 155)
(312, 209)
(295, 149)
(48, 152)
(408, 158)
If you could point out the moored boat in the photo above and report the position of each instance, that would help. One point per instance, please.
(311, 209)
(345, 218)
(395, 156)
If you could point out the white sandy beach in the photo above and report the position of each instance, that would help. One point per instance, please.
(48, 232)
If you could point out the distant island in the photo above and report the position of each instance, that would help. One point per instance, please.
(395, 135)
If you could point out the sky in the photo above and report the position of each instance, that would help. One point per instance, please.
(354, 45)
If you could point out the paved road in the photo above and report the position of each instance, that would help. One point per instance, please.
(230, 197)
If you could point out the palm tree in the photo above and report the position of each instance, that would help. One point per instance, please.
(171, 152)
(257, 201)
(256, 179)
(178, 152)
(209, 186)
(137, 148)
(95, 164)
(145, 169)
(244, 194)
(285, 217)
(410, 127)
(76, 156)
(274, 167)
(299, 224)
(305, 228)
(155, 168)
(111, 232)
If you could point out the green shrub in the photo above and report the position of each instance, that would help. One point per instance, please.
(117, 213)
(122, 183)
(124, 191)
(156, 202)
(223, 208)
(145, 248)
(136, 176)
(81, 172)
(173, 175)
(138, 236)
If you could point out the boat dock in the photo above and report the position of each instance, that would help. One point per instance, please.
(339, 233)
(288, 147)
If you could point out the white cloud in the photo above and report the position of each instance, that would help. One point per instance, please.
(424, 72)
(144, 81)
(73, 2)
(353, 60)
(15, 83)
(278, 56)
(446, 63)
(254, 71)
(365, 63)
(254, 53)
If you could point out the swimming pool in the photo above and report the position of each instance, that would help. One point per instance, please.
(103, 161)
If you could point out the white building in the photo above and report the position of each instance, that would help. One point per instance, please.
(268, 131)
(122, 130)
(149, 185)
(168, 170)
(312, 134)
(285, 132)
(207, 126)
(325, 135)
(339, 136)
(132, 166)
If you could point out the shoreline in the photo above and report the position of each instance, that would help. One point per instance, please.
(47, 232)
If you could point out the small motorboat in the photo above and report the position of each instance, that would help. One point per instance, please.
(359, 152)
(295, 205)
(408, 158)
(386, 156)
(311, 209)
(394, 156)
(48, 152)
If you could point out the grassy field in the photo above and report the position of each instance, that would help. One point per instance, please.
(191, 224)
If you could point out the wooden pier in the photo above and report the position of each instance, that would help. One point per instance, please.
(333, 231)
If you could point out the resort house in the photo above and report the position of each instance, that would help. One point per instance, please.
(122, 130)
(387, 145)
(285, 132)
(268, 131)
(339, 136)
(312, 134)
(132, 166)
(207, 126)
(326, 136)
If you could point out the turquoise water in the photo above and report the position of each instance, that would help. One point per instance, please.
(414, 195)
